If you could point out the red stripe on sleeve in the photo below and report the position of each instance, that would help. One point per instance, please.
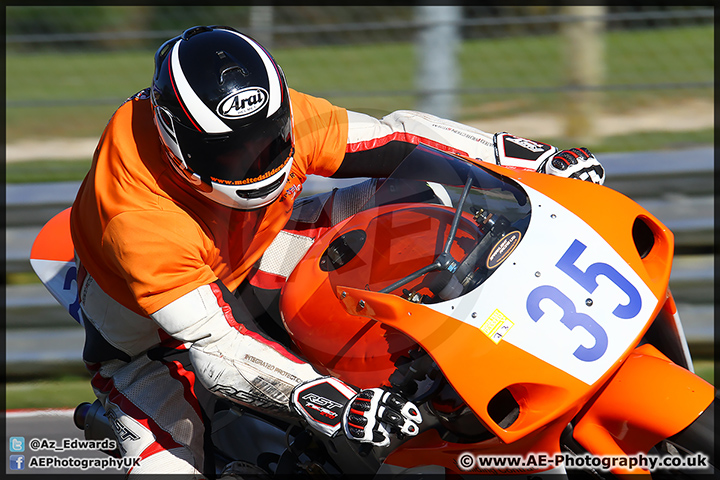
(227, 311)
(400, 137)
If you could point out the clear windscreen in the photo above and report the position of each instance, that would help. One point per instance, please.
(437, 228)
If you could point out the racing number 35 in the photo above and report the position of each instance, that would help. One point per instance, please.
(588, 280)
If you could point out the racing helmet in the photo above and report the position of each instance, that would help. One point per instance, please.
(222, 108)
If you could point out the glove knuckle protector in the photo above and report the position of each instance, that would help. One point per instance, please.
(391, 417)
(357, 419)
(560, 163)
(576, 163)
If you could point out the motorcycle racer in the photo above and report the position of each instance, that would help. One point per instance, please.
(191, 181)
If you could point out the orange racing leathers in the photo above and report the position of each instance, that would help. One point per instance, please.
(147, 238)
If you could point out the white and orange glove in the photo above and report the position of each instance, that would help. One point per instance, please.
(371, 416)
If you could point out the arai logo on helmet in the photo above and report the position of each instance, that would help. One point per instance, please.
(243, 103)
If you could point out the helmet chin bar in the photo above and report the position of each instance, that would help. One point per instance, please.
(227, 195)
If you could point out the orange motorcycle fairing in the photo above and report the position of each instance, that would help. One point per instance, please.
(588, 260)
(52, 257)
(648, 399)
(359, 350)
(54, 242)
(484, 370)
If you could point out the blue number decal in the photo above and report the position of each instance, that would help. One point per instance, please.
(571, 319)
(71, 276)
(588, 279)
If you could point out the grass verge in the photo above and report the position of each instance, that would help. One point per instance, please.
(64, 392)
(36, 171)
(68, 93)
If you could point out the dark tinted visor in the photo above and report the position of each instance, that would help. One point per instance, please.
(246, 154)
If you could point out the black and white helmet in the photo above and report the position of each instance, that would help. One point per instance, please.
(222, 108)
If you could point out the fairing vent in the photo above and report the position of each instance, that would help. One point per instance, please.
(654, 244)
(503, 408)
(643, 237)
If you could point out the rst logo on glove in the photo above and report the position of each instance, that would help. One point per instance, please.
(322, 405)
(243, 103)
(321, 402)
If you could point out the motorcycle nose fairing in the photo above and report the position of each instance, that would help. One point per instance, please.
(528, 292)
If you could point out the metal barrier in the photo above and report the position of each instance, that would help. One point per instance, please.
(675, 186)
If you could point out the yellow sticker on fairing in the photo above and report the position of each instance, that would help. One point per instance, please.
(496, 326)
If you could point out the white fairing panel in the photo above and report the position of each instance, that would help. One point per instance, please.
(60, 280)
(563, 295)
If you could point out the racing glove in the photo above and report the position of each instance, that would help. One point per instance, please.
(521, 153)
(369, 416)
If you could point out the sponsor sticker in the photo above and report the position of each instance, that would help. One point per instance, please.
(496, 326)
(502, 249)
